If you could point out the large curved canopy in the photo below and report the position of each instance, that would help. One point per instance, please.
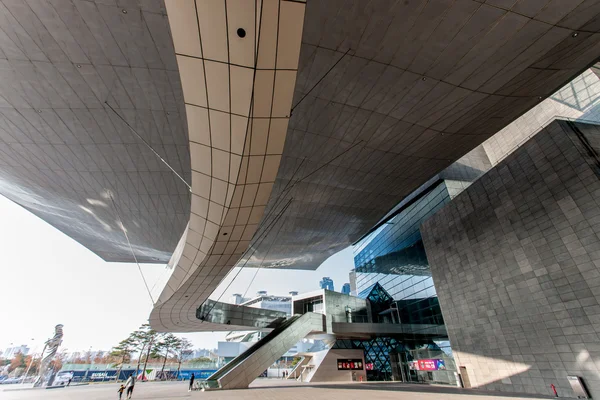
(307, 122)
(414, 86)
(238, 62)
(387, 95)
(73, 75)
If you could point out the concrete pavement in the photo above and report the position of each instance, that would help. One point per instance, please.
(265, 389)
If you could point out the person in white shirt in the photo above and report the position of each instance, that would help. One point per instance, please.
(129, 385)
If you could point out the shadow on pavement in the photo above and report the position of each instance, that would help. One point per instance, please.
(400, 387)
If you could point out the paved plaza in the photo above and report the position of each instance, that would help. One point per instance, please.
(265, 390)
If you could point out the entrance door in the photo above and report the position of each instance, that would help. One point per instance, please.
(396, 367)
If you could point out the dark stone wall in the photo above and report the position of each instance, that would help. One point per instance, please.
(515, 259)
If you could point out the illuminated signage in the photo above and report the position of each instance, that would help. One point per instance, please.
(427, 365)
(344, 364)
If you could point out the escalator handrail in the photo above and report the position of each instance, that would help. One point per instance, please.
(237, 360)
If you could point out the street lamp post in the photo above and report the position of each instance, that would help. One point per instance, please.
(92, 358)
(85, 377)
(32, 361)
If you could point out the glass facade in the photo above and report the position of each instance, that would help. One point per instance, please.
(394, 256)
(389, 358)
(326, 283)
(311, 304)
(346, 288)
(392, 272)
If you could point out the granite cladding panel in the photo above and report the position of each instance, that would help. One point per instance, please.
(516, 262)
(327, 370)
(335, 308)
(73, 75)
(577, 100)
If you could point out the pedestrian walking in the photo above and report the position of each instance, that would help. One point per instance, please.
(192, 382)
(192, 378)
(69, 383)
(120, 391)
(129, 385)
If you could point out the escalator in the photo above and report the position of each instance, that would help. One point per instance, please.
(243, 369)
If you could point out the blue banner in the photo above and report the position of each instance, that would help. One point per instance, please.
(111, 374)
(201, 374)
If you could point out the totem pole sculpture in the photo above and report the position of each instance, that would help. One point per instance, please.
(44, 377)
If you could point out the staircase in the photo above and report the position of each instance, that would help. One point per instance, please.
(243, 369)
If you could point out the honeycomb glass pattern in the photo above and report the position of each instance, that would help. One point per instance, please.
(387, 358)
(377, 352)
(376, 294)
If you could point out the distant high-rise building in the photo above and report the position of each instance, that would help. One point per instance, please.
(74, 356)
(202, 353)
(236, 298)
(352, 276)
(269, 302)
(11, 352)
(346, 288)
(326, 283)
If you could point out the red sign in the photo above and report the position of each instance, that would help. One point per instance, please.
(369, 366)
(427, 365)
(350, 364)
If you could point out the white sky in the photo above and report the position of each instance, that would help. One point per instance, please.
(46, 278)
